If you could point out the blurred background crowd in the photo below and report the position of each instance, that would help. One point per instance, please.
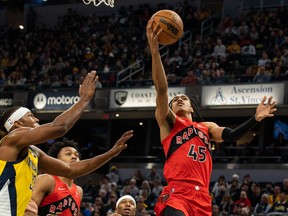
(249, 48)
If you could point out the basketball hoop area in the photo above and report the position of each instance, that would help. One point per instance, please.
(109, 3)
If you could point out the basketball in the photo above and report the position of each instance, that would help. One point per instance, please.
(171, 24)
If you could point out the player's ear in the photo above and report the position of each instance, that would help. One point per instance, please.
(17, 124)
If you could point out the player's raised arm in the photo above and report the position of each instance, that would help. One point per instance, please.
(158, 73)
(23, 127)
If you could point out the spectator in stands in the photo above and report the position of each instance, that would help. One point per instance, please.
(216, 210)
(220, 182)
(243, 201)
(219, 49)
(280, 38)
(125, 206)
(197, 49)
(268, 188)
(190, 79)
(130, 189)
(275, 196)
(248, 49)
(98, 207)
(110, 206)
(247, 179)
(86, 209)
(264, 60)
(255, 195)
(262, 207)
(262, 76)
(157, 188)
(187, 59)
(113, 175)
(176, 58)
(285, 185)
(226, 204)
(134, 190)
(205, 79)
(149, 199)
(237, 210)
(103, 194)
(89, 188)
(254, 34)
(278, 58)
(190, 19)
(277, 75)
(145, 186)
(222, 190)
(229, 28)
(141, 206)
(199, 71)
(221, 78)
(248, 75)
(137, 175)
(281, 205)
(105, 184)
(125, 190)
(243, 29)
(234, 48)
(153, 175)
(114, 189)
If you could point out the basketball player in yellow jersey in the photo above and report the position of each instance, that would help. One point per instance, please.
(20, 158)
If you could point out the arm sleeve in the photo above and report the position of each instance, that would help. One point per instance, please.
(229, 134)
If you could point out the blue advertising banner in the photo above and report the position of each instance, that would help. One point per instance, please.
(53, 100)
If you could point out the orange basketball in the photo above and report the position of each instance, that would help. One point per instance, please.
(172, 26)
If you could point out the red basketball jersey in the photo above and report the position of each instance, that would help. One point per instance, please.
(62, 200)
(187, 151)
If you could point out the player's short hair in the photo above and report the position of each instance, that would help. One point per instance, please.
(56, 147)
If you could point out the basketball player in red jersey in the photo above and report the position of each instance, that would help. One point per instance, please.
(55, 194)
(186, 143)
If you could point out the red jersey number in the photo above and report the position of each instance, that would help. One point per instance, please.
(197, 154)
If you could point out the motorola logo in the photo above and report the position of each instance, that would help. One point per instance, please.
(40, 101)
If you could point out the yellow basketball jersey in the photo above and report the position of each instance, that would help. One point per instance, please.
(16, 184)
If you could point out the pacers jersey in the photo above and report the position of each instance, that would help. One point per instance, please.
(62, 200)
(187, 150)
(16, 182)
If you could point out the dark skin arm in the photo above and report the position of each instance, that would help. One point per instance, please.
(160, 81)
(57, 167)
(26, 131)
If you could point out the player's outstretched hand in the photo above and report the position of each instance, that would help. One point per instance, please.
(152, 35)
(87, 88)
(265, 109)
(121, 142)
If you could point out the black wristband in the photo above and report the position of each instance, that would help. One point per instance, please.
(229, 134)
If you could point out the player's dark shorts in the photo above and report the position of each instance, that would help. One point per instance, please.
(191, 199)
